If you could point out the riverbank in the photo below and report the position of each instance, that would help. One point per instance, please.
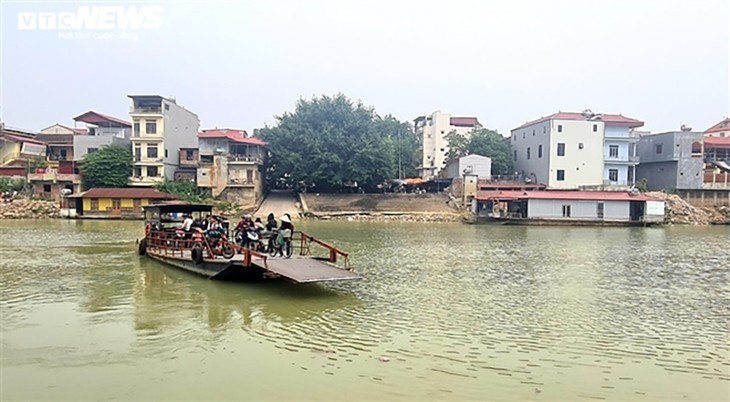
(678, 211)
(27, 208)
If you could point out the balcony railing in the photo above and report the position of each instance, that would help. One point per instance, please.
(716, 181)
(55, 177)
(245, 158)
(188, 162)
(622, 159)
(157, 110)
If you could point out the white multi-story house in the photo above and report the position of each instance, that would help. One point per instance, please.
(568, 150)
(100, 130)
(432, 130)
(160, 127)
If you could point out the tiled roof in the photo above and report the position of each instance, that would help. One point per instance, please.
(612, 119)
(717, 142)
(95, 118)
(20, 138)
(233, 135)
(56, 139)
(719, 127)
(564, 195)
(142, 193)
(463, 121)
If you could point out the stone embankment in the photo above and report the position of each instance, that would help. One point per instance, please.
(678, 211)
(392, 217)
(26, 208)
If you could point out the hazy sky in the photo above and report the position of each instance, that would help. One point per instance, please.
(239, 63)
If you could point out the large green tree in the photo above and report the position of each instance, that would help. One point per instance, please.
(483, 142)
(110, 166)
(329, 143)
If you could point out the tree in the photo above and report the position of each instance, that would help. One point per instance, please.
(186, 190)
(483, 142)
(330, 143)
(110, 166)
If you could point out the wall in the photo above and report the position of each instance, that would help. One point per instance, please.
(481, 166)
(9, 151)
(532, 137)
(675, 166)
(553, 209)
(82, 143)
(181, 131)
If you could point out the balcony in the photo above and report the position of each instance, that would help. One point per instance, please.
(145, 110)
(716, 181)
(55, 177)
(188, 163)
(625, 160)
(145, 180)
(631, 137)
(252, 159)
(143, 160)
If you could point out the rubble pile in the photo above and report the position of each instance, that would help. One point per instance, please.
(678, 211)
(25, 208)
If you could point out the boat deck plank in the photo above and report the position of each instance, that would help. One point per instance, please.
(305, 269)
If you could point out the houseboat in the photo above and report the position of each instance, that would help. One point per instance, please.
(166, 241)
(554, 207)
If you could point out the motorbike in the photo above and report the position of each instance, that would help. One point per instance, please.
(214, 245)
(251, 239)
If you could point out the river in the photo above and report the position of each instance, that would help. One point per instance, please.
(444, 312)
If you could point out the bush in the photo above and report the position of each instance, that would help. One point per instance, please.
(10, 184)
(186, 190)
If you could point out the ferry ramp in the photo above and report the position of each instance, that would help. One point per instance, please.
(304, 269)
(279, 202)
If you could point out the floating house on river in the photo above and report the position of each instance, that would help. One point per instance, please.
(568, 207)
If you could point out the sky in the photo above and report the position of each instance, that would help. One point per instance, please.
(239, 64)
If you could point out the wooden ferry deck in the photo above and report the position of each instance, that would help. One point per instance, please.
(301, 267)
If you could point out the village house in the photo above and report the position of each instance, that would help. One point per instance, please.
(160, 128)
(231, 164)
(18, 149)
(431, 130)
(569, 150)
(115, 202)
(465, 172)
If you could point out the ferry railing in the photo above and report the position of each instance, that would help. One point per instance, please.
(170, 243)
(304, 248)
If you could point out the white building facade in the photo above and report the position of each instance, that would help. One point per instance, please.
(432, 131)
(160, 127)
(570, 150)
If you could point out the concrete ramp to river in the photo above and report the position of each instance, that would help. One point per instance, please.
(279, 202)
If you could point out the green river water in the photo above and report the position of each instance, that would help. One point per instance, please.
(447, 312)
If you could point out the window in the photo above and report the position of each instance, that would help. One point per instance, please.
(561, 149)
(151, 126)
(94, 204)
(613, 174)
(696, 148)
(544, 129)
(137, 172)
(152, 171)
(167, 106)
(533, 132)
(135, 131)
(515, 156)
(46, 188)
(560, 128)
(63, 155)
(595, 128)
(613, 151)
(189, 154)
(580, 145)
(566, 211)
(539, 151)
(561, 175)
(91, 150)
(523, 136)
(528, 153)
(152, 151)
(165, 152)
(658, 148)
(599, 210)
(630, 174)
(249, 176)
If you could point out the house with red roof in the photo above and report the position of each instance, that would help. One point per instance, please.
(569, 150)
(432, 131)
(231, 164)
(101, 130)
(721, 129)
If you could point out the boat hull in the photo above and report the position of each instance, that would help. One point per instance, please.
(210, 268)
